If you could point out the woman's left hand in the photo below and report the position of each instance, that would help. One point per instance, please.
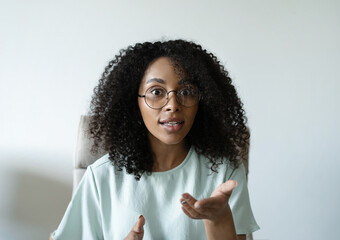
(214, 208)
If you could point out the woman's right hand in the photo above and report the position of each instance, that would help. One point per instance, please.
(137, 231)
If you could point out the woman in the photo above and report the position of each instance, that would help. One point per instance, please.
(174, 129)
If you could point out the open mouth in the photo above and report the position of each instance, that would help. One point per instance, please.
(172, 123)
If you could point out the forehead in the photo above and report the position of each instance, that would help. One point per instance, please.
(161, 69)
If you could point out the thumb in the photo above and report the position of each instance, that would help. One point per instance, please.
(137, 232)
(228, 187)
(138, 227)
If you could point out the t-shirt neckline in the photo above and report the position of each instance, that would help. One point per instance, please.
(181, 165)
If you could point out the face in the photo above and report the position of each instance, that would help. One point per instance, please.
(170, 124)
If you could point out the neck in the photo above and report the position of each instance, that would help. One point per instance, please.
(167, 156)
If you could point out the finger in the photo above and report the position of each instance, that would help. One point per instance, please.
(228, 187)
(197, 206)
(212, 202)
(188, 203)
(219, 197)
(191, 211)
(138, 227)
(186, 212)
(188, 199)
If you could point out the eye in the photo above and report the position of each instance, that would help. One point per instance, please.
(157, 91)
(187, 91)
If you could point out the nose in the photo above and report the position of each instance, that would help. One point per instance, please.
(172, 105)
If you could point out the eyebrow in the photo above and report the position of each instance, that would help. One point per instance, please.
(159, 80)
(155, 80)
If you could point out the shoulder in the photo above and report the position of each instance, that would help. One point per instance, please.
(239, 171)
(102, 162)
(102, 167)
(223, 171)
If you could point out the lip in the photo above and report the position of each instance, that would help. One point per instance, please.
(174, 128)
(170, 120)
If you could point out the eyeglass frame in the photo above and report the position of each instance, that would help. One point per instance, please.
(167, 98)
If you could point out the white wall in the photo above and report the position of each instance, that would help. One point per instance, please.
(284, 58)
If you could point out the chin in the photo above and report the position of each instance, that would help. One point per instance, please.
(168, 140)
(172, 142)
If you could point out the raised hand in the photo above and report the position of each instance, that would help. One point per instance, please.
(137, 231)
(214, 211)
(214, 208)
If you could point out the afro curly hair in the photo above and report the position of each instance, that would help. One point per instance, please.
(219, 131)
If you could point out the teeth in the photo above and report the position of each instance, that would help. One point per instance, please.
(172, 123)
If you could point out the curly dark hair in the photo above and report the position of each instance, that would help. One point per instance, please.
(219, 131)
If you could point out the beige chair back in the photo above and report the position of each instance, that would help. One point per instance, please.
(82, 153)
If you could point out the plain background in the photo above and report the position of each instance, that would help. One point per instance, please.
(284, 58)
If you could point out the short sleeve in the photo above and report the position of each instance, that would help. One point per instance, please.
(82, 219)
(240, 204)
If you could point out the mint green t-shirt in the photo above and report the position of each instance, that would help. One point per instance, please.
(108, 202)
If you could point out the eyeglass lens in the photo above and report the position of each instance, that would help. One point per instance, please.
(157, 97)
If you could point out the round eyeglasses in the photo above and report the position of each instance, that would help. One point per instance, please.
(157, 97)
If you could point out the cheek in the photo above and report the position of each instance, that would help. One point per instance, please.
(148, 115)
